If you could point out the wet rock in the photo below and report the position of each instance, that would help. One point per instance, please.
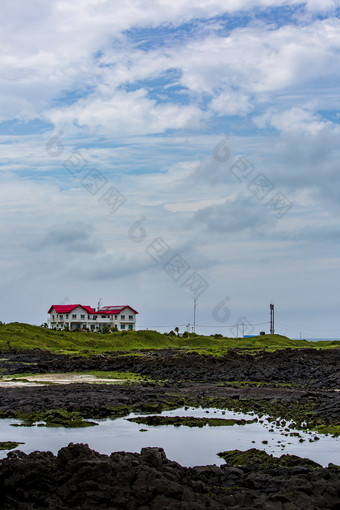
(319, 367)
(80, 478)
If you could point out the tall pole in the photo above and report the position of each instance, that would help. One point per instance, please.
(272, 318)
(195, 304)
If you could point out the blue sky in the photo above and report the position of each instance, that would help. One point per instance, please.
(160, 151)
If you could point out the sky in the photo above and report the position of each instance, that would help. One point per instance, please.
(162, 153)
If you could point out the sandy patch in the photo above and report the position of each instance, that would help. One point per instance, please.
(39, 380)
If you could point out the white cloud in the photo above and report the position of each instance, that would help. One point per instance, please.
(323, 6)
(262, 59)
(113, 77)
(231, 103)
(192, 206)
(126, 114)
(295, 120)
(38, 66)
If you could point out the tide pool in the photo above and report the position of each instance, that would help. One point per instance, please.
(188, 446)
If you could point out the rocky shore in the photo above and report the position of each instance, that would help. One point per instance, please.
(80, 478)
(286, 385)
(312, 368)
(292, 384)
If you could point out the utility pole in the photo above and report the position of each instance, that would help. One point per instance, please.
(99, 306)
(195, 304)
(272, 318)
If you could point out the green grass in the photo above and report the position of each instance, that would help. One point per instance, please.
(24, 337)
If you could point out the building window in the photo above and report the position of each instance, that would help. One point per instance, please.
(67, 316)
(122, 317)
(61, 316)
(77, 326)
(130, 326)
(74, 316)
(82, 316)
(53, 317)
(122, 326)
(94, 317)
(92, 327)
(115, 316)
(130, 317)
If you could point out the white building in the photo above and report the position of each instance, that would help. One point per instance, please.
(84, 317)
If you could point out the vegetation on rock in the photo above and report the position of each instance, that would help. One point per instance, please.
(52, 418)
(261, 459)
(188, 421)
(8, 445)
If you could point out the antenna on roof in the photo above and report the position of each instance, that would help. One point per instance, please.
(99, 303)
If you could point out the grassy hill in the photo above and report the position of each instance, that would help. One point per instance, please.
(24, 337)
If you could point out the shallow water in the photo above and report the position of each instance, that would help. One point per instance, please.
(188, 446)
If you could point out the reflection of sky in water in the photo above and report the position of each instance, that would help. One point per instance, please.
(188, 446)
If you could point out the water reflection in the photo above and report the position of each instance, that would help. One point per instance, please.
(188, 446)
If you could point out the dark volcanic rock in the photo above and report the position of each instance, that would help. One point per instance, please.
(314, 368)
(304, 376)
(80, 478)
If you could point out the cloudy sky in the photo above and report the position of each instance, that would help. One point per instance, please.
(158, 151)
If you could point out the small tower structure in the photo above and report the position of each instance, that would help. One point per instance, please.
(272, 319)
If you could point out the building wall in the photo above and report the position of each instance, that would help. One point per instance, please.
(59, 321)
(79, 318)
(124, 319)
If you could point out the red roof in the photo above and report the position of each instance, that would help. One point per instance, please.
(88, 309)
(69, 308)
(110, 310)
(105, 310)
